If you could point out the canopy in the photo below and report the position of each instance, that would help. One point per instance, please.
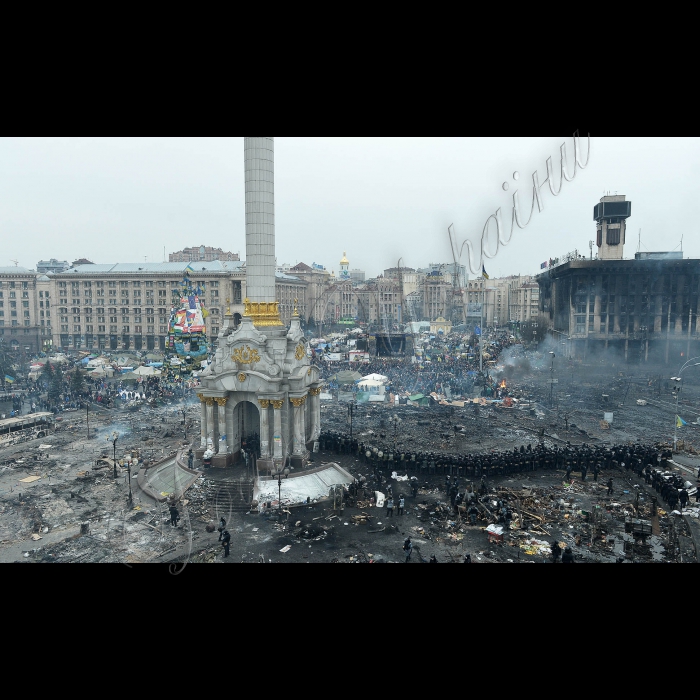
(376, 377)
(370, 382)
(97, 362)
(145, 371)
(346, 377)
(153, 356)
(129, 375)
(125, 360)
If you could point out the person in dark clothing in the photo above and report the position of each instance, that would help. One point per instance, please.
(467, 558)
(401, 505)
(414, 487)
(226, 542)
(390, 508)
(684, 498)
(222, 527)
(596, 471)
(610, 486)
(556, 551)
(433, 559)
(568, 471)
(568, 556)
(407, 548)
(174, 516)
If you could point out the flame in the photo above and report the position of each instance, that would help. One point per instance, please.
(502, 385)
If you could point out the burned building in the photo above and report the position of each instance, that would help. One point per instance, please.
(643, 310)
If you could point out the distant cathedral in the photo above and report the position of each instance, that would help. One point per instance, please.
(344, 273)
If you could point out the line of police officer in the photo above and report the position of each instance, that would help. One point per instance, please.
(583, 459)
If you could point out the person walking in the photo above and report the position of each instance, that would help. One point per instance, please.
(401, 505)
(556, 551)
(684, 498)
(568, 556)
(226, 542)
(222, 527)
(174, 516)
(610, 486)
(407, 548)
(390, 507)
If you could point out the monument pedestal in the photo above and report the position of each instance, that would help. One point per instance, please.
(265, 466)
(221, 460)
(199, 452)
(301, 460)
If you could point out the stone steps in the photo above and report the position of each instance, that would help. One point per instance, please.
(227, 497)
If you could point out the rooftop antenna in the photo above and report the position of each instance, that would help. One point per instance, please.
(639, 244)
(590, 245)
(14, 261)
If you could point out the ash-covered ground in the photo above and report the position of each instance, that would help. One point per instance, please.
(77, 512)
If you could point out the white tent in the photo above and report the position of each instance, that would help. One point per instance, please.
(372, 386)
(145, 371)
(375, 377)
(97, 362)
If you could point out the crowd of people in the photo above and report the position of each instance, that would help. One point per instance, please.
(452, 367)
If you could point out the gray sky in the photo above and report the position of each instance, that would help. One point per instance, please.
(379, 199)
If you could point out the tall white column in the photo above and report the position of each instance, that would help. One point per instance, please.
(203, 423)
(277, 437)
(315, 408)
(298, 404)
(260, 218)
(221, 407)
(215, 425)
(210, 423)
(264, 429)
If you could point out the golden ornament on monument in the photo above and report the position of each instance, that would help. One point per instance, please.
(245, 356)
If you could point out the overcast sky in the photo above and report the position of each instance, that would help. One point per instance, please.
(378, 199)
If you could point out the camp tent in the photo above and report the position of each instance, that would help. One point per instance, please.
(346, 376)
(145, 371)
(375, 377)
(419, 399)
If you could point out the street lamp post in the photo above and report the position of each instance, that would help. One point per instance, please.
(551, 379)
(350, 409)
(115, 437)
(677, 390)
(279, 474)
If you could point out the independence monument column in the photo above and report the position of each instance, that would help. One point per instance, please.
(260, 302)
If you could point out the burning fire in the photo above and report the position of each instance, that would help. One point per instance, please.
(502, 385)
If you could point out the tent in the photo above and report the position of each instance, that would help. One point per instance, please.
(97, 362)
(130, 376)
(346, 376)
(420, 399)
(376, 377)
(145, 371)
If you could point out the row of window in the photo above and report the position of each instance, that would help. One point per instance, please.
(136, 284)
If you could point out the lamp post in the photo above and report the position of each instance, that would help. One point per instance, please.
(115, 437)
(279, 474)
(395, 420)
(551, 378)
(350, 410)
(677, 390)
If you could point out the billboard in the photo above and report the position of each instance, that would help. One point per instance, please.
(473, 310)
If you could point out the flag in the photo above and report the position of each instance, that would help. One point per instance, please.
(484, 274)
(543, 265)
(189, 268)
(680, 422)
(9, 379)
